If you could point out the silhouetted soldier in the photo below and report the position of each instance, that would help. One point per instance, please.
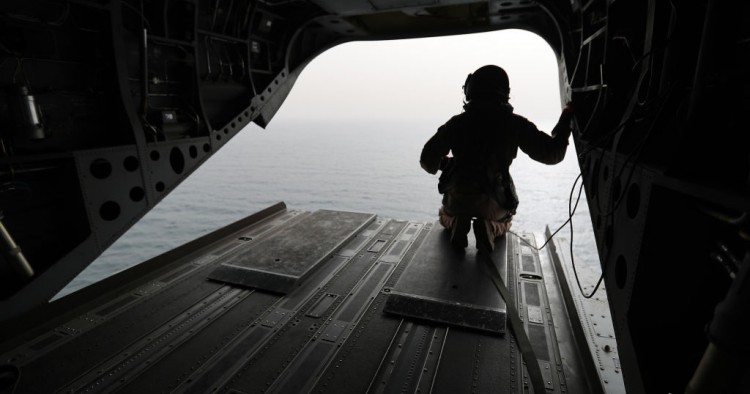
(484, 139)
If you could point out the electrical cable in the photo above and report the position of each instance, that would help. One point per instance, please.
(33, 19)
(16, 375)
(580, 49)
(245, 22)
(615, 132)
(612, 133)
(559, 228)
(613, 204)
(648, 55)
(144, 20)
(571, 211)
(596, 104)
(229, 15)
(635, 153)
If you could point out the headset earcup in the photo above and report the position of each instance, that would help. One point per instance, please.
(466, 86)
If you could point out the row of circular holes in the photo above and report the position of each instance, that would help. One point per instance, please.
(633, 198)
(632, 206)
(233, 125)
(102, 169)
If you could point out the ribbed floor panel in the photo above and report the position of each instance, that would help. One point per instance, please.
(179, 329)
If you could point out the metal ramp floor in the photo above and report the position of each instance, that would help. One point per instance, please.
(287, 302)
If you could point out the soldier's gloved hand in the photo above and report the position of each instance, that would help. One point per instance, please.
(445, 162)
(567, 112)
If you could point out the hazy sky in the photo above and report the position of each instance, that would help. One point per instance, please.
(421, 79)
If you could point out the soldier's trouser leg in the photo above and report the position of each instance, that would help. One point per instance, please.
(500, 227)
(458, 226)
(487, 231)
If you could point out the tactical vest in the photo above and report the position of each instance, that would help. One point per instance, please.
(475, 168)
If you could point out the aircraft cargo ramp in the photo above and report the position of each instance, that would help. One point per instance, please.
(327, 301)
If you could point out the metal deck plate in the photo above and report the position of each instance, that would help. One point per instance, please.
(448, 286)
(280, 262)
(172, 330)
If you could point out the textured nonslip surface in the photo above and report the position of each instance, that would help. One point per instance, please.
(181, 330)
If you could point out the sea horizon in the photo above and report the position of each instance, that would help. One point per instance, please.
(321, 164)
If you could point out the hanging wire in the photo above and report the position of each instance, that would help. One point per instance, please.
(571, 211)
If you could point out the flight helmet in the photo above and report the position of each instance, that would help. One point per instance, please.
(488, 82)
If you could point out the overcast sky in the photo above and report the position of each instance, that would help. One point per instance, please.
(421, 79)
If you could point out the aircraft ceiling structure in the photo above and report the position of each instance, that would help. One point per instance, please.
(108, 105)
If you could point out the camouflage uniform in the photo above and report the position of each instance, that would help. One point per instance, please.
(484, 141)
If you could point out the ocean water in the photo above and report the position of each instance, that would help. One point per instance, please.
(355, 166)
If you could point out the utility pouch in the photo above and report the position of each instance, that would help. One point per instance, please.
(445, 176)
(511, 196)
(504, 191)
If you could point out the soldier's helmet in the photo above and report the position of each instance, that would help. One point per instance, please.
(488, 82)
